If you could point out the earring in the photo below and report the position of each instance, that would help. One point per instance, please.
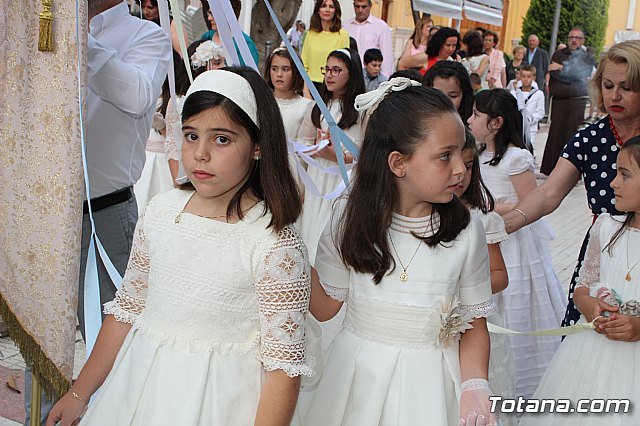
(257, 157)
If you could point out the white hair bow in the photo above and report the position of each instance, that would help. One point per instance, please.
(369, 101)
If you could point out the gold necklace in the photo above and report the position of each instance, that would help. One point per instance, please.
(179, 217)
(403, 276)
(627, 278)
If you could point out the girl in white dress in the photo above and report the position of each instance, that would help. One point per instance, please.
(534, 299)
(476, 196)
(412, 266)
(287, 84)
(343, 81)
(604, 363)
(208, 327)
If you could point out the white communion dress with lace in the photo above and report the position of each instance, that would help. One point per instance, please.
(213, 306)
(534, 299)
(396, 360)
(587, 365)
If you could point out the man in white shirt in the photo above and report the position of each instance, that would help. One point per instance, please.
(127, 61)
(370, 32)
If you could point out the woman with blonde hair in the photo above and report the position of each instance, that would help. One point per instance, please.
(592, 152)
(417, 43)
(517, 61)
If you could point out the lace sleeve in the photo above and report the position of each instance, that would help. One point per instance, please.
(174, 130)
(590, 271)
(131, 297)
(283, 289)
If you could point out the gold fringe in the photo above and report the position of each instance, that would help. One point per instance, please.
(50, 378)
(45, 36)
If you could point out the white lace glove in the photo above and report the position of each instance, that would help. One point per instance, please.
(475, 405)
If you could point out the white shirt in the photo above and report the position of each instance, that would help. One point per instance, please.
(127, 62)
(373, 32)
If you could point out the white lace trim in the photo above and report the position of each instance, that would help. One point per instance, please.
(307, 369)
(480, 310)
(120, 315)
(473, 384)
(336, 293)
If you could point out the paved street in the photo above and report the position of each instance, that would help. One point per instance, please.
(570, 223)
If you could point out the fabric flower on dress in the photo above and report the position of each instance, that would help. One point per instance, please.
(449, 319)
(205, 52)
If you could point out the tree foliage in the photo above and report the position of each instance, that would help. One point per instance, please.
(590, 15)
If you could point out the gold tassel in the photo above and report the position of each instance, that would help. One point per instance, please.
(45, 37)
(54, 383)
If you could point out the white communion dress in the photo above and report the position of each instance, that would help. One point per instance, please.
(213, 306)
(396, 360)
(588, 366)
(316, 211)
(502, 367)
(534, 299)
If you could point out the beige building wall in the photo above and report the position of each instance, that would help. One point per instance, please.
(618, 14)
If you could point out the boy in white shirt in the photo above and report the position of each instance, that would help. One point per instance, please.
(530, 100)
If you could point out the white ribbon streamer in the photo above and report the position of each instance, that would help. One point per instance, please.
(562, 331)
(369, 101)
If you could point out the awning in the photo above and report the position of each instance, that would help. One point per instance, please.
(444, 8)
(486, 11)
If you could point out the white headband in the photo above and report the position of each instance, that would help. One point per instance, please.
(345, 51)
(369, 101)
(229, 85)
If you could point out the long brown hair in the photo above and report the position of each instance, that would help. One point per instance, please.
(270, 178)
(315, 23)
(416, 37)
(355, 86)
(633, 146)
(363, 241)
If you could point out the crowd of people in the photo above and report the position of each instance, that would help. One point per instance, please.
(251, 296)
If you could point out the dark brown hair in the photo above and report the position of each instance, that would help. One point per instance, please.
(236, 5)
(632, 145)
(439, 38)
(363, 233)
(496, 39)
(297, 83)
(477, 195)
(315, 23)
(270, 178)
(355, 86)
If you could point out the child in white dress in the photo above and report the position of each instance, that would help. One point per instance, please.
(476, 196)
(208, 327)
(413, 268)
(343, 81)
(287, 84)
(604, 363)
(534, 299)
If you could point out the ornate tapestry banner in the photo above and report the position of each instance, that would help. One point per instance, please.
(42, 188)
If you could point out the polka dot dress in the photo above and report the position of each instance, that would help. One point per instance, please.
(593, 151)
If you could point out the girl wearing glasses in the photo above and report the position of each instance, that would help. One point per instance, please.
(325, 35)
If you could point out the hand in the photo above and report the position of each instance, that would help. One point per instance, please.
(592, 307)
(621, 327)
(475, 407)
(67, 411)
(492, 82)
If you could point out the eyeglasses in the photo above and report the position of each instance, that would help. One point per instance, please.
(576, 38)
(331, 70)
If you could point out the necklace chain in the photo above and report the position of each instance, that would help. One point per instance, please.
(179, 217)
(627, 277)
(403, 276)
